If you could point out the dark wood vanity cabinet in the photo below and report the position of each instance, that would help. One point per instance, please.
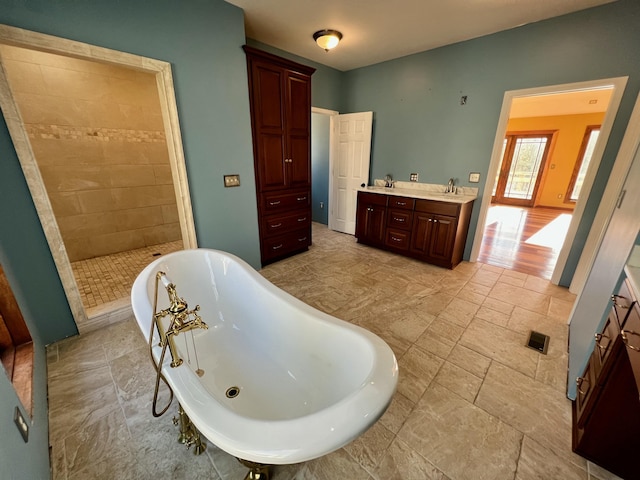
(429, 230)
(606, 412)
(280, 100)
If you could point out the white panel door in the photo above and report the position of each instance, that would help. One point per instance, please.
(349, 160)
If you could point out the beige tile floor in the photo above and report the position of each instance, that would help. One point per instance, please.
(472, 402)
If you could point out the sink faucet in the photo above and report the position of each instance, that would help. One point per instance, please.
(388, 181)
(450, 186)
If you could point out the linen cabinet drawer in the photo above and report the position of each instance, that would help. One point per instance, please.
(401, 219)
(284, 244)
(279, 202)
(402, 203)
(279, 224)
(397, 239)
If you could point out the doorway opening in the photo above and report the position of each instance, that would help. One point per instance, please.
(76, 210)
(531, 207)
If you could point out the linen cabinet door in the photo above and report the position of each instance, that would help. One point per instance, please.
(298, 126)
(267, 95)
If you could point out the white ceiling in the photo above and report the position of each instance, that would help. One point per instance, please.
(378, 30)
(566, 103)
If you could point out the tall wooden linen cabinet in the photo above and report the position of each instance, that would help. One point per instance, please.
(280, 99)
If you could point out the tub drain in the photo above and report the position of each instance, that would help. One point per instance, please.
(233, 392)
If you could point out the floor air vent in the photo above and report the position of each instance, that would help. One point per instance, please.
(538, 341)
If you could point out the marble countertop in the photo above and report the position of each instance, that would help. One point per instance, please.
(435, 193)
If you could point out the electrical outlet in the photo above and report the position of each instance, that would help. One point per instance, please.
(232, 180)
(474, 177)
(22, 424)
(413, 177)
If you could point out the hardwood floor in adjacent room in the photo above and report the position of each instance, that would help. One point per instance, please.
(522, 239)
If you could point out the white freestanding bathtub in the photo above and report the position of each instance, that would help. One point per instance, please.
(308, 383)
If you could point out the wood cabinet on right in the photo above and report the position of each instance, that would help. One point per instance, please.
(606, 412)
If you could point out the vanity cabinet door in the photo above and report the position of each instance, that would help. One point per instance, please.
(370, 218)
(433, 237)
(443, 233)
(421, 233)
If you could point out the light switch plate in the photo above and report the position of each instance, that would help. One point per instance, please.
(232, 180)
(474, 177)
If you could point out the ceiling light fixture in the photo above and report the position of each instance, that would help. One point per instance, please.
(327, 39)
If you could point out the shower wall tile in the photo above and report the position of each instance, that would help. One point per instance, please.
(170, 213)
(132, 175)
(90, 201)
(162, 174)
(98, 137)
(27, 77)
(66, 204)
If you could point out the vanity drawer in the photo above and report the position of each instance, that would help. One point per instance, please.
(279, 224)
(623, 301)
(586, 391)
(276, 202)
(397, 239)
(372, 198)
(401, 202)
(399, 219)
(605, 341)
(438, 208)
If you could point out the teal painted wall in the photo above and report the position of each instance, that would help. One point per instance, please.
(202, 40)
(421, 126)
(320, 126)
(19, 460)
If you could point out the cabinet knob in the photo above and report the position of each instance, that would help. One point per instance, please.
(600, 336)
(579, 382)
(625, 339)
(614, 299)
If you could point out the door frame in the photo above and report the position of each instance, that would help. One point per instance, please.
(166, 93)
(588, 253)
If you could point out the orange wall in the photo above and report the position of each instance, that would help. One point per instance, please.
(559, 167)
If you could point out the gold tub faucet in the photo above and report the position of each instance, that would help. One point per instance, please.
(182, 319)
